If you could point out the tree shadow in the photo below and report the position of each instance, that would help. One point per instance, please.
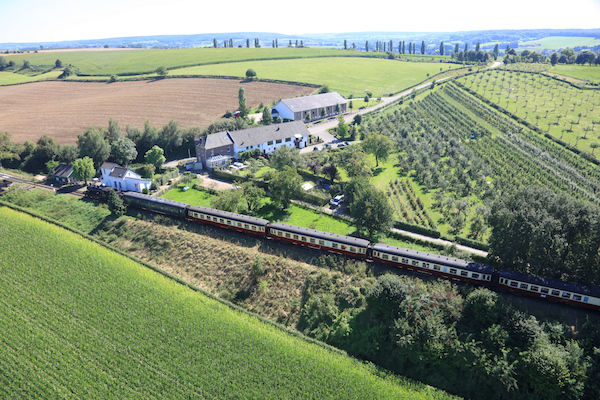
(378, 171)
(272, 212)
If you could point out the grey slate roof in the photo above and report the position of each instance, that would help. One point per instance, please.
(349, 240)
(118, 172)
(63, 171)
(311, 102)
(256, 136)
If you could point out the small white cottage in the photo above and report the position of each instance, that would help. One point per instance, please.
(123, 179)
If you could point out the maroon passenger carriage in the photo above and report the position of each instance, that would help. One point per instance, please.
(315, 239)
(225, 219)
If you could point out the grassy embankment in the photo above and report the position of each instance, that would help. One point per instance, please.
(348, 76)
(118, 329)
(12, 78)
(583, 72)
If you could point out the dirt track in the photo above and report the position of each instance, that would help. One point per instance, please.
(65, 109)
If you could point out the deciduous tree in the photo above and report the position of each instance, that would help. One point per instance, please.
(284, 186)
(123, 150)
(156, 157)
(115, 204)
(369, 207)
(378, 145)
(83, 169)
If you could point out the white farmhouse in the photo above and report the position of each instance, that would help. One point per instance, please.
(123, 179)
(218, 148)
(310, 108)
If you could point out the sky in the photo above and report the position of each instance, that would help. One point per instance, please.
(55, 20)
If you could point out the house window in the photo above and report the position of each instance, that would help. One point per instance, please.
(289, 139)
(270, 142)
(278, 141)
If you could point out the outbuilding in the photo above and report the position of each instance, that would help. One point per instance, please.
(310, 108)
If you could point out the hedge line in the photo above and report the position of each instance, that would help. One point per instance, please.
(476, 244)
(175, 278)
(417, 229)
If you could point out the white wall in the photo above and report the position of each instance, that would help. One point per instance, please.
(283, 111)
(265, 148)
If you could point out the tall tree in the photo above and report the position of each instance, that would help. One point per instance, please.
(285, 156)
(345, 45)
(442, 48)
(243, 109)
(456, 48)
(113, 132)
(156, 157)
(496, 51)
(367, 46)
(466, 47)
(478, 46)
(123, 150)
(92, 143)
(267, 118)
(170, 138)
(284, 186)
(83, 169)
(369, 207)
(58, 64)
(253, 195)
(554, 59)
(215, 45)
(422, 47)
(248, 42)
(116, 205)
(342, 128)
(378, 145)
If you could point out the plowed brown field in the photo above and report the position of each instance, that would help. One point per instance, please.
(63, 110)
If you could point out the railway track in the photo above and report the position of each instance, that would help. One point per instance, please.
(35, 185)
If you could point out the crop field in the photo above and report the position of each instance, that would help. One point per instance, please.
(459, 154)
(583, 72)
(348, 76)
(133, 62)
(559, 42)
(117, 329)
(64, 110)
(569, 114)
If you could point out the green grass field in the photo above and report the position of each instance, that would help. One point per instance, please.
(344, 75)
(11, 78)
(81, 321)
(559, 42)
(142, 61)
(567, 113)
(583, 72)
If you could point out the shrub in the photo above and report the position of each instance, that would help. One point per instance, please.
(250, 73)
(146, 171)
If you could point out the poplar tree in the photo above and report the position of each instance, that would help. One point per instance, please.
(442, 48)
(422, 47)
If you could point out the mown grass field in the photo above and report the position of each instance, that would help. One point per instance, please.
(133, 62)
(11, 78)
(558, 42)
(348, 76)
(81, 321)
(583, 72)
(567, 113)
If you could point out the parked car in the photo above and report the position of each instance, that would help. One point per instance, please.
(316, 148)
(239, 165)
(343, 144)
(336, 200)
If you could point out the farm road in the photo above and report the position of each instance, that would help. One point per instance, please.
(321, 129)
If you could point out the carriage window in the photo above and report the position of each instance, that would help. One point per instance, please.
(452, 271)
(577, 297)
(321, 242)
(228, 222)
(287, 235)
(474, 275)
(534, 288)
(524, 286)
(221, 220)
(436, 267)
(514, 284)
(253, 227)
(312, 240)
(239, 224)
(426, 265)
(246, 226)
(296, 237)
(464, 273)
(334, 245)
(394, 258)
(415, 263)
(303, 239)
(385, 256)
(343, 246)
(352, 249)
(545, 290)
(555, 293)
(404, 260)
(566, 295)
(585, 299)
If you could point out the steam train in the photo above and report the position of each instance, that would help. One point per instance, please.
(545, 289)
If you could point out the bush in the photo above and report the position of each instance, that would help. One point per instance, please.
(146, 171)
(250, 73)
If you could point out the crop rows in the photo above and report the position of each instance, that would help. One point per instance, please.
(563, 111)
(79, 321)
(468, 154)
(407, 204)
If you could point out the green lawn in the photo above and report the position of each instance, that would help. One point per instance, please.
(347, 76)
(147, 60)
(583, 72)
(11, 78)
(191, 196)
(79, 321)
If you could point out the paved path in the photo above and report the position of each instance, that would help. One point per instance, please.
(174, 163)
(339, 211)
(213, 183)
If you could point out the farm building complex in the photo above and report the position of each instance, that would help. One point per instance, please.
(121, 178)
(310, 108)
(217, 149)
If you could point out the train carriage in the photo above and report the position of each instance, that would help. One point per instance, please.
(550, 289)
(315, 239)
(434, 264)
(156, 204)
(229, 220)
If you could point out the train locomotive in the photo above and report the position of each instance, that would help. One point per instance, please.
(448, 267)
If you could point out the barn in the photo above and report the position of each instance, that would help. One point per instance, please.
(310, 108)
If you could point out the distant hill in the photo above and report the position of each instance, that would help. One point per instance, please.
(488, 38)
